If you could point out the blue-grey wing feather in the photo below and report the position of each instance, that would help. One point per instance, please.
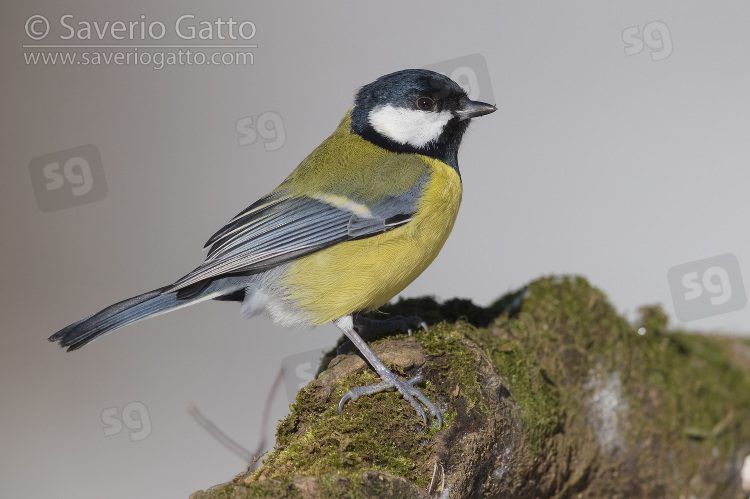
(390, 213)
(278, 229)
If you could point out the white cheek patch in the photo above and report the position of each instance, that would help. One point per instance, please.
(409, 126)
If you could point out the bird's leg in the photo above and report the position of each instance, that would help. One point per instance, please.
(389, 381)
(371, 328)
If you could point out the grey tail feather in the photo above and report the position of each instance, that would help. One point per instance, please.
(123, 313)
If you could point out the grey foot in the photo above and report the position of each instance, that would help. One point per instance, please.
(406, 388)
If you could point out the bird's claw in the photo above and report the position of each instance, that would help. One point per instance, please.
(410, 323)
(407, 390)
(421, 324)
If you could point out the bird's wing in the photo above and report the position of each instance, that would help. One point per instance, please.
(280, 228)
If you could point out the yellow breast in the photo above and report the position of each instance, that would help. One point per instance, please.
(366, 273)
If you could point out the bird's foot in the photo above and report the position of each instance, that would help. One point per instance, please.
(407, 389)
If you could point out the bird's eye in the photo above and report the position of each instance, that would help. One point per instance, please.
(425, 104)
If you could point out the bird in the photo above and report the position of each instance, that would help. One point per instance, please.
(356, 222)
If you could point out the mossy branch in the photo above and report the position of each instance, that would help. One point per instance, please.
(546, 393)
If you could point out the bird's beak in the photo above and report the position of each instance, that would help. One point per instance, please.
(472, 109)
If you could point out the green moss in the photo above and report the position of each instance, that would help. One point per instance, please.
(683, 390)
(552, 338)
(683, 399)
(532, 387)
(379, 432)
(333, 486)
(653, 320)
(271, 490)
(456, 365)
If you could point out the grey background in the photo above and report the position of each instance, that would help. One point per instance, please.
(612, 166)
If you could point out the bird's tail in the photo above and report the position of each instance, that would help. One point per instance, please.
(126, 312)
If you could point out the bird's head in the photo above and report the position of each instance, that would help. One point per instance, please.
(416, 111)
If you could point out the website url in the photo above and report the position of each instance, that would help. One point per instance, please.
(135, 57)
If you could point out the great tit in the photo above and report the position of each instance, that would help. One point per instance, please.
(357, 221)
